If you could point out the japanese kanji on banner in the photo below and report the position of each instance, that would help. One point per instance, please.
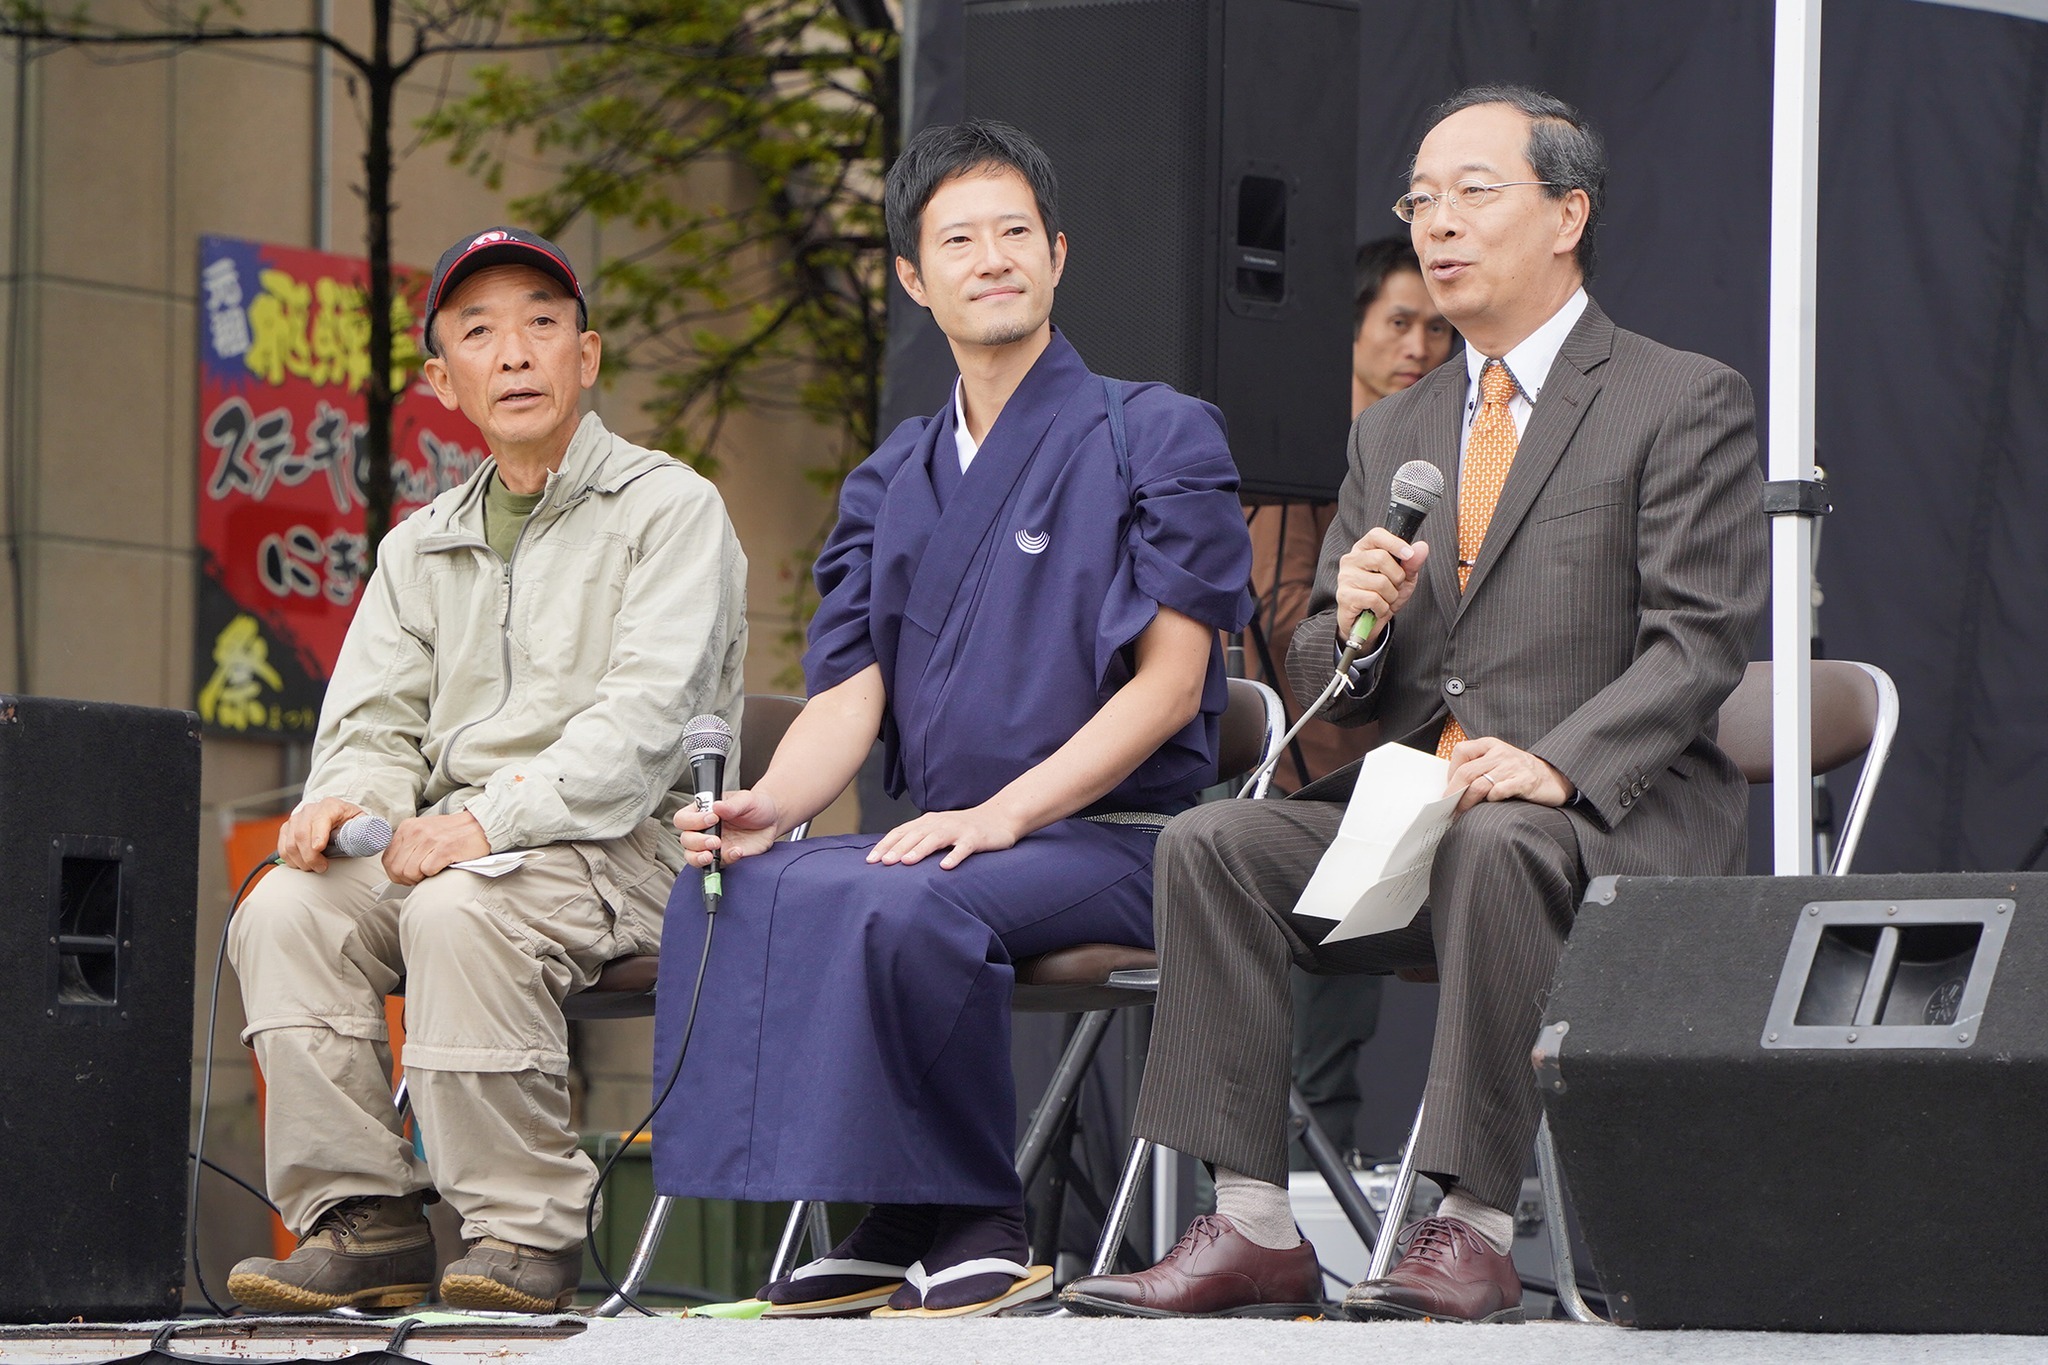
(284, 353)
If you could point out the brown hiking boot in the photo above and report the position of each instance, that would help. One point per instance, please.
(507, 1277)
(367, 1252)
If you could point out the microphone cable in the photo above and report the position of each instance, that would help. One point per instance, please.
(711, 898)
(198, 1152)
(1272, 760)
(1418, 487)
(707, 739)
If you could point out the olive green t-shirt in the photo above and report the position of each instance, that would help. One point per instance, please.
(505, 512)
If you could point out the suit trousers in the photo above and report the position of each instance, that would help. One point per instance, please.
(1503, 891)
(1334, 1018)
(485, 964)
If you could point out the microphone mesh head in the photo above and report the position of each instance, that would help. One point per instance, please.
(1420, 485)
(707, 735)
(363, 836)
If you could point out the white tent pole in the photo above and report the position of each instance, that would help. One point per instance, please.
(1795, 147)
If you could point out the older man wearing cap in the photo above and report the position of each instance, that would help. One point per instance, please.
(515, 678)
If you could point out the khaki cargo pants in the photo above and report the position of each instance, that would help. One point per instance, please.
(485, 963)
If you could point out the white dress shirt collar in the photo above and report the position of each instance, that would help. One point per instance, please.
(966, 445)
(1529, 363)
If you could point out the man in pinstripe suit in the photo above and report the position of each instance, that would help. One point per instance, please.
(1612, 585)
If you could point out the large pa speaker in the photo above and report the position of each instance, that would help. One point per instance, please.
(99, 848)
(1207, 158)
(1808, 1102)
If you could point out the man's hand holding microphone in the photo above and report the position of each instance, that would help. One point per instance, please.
(416, 850)
(1377, 575)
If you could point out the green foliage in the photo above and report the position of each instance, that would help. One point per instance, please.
(743, 142)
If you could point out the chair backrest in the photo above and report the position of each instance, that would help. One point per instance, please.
(1101, 976)
(764, 719)
(1855, 714)
(1252, 725)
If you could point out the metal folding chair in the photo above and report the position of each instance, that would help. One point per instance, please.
(1855, 715)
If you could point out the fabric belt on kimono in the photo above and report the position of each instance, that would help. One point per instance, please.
(1142, 818)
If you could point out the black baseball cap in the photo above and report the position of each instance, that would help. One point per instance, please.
(501, 246)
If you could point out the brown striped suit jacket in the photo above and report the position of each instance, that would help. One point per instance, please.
(1613, 603)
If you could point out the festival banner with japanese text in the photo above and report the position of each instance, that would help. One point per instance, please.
(284, 355)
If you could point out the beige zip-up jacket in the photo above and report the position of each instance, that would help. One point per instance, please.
(547, 694)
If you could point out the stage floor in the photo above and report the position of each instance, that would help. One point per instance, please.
(1009, 1341)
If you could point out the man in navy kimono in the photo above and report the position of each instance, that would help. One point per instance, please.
(1021, 599)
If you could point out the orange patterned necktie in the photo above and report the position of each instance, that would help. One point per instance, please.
(1489, 450)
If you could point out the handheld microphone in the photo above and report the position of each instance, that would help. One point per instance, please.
(1418, 488)
(359, 836)
(706, 742)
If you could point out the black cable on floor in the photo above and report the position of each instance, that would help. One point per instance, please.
(198, 1149)
(210, 1164)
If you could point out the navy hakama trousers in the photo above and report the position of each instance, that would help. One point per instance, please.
(853, 1041)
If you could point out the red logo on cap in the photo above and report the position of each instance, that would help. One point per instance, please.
(490, 237)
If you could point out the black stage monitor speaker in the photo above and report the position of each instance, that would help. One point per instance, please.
(1207, 158)
(1817, 1103)
(99, 849)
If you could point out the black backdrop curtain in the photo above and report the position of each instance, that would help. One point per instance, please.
(1932, 402)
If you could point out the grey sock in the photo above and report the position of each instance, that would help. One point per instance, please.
(1489, 1222)
(1260, 1211)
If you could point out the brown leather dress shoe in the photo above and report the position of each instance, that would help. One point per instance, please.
(1213, 1271)
(1448, 1272)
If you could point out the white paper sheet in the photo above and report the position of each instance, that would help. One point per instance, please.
(498, 864)
(1375, 875)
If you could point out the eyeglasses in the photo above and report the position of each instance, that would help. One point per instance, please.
(1469, 195)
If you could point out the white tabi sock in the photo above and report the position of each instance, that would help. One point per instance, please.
(1260, 1211)
(1489, 1222)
